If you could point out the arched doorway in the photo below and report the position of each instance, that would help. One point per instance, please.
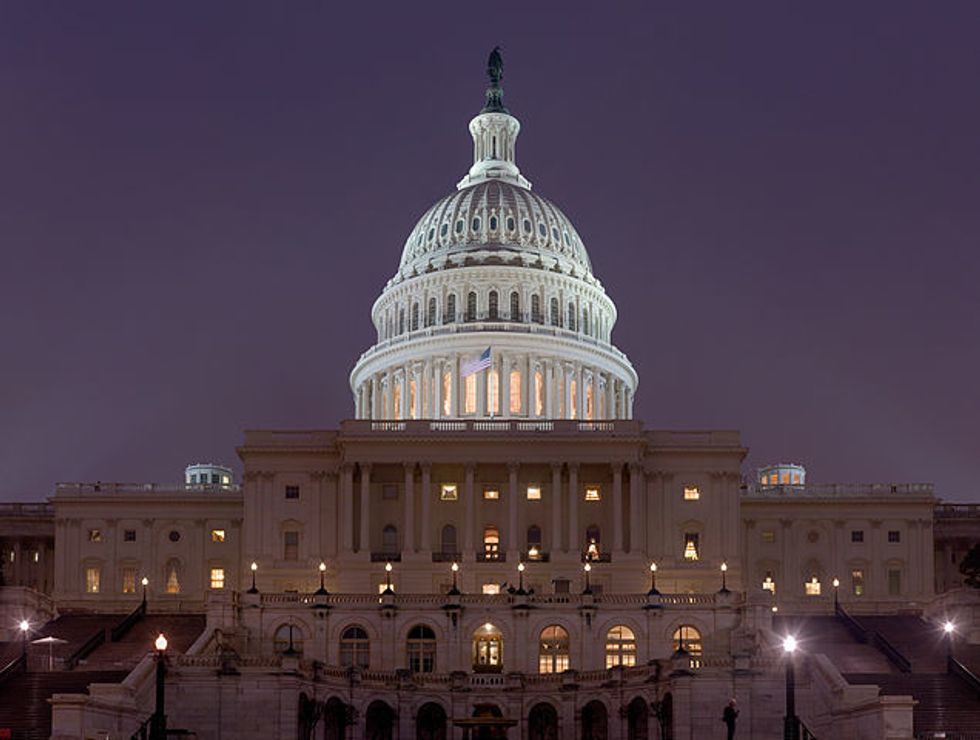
(430, 722)
(334, 719)
(542, 722)
(493, 726)
(488, 649)
(595, 721)
(638, 719)
(379, 724)
(664, 712)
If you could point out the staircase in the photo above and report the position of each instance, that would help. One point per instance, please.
(180, 630)
(827, 635)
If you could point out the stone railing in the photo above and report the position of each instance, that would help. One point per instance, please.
(695, 601)
(156, 489)
(840, 490)
(27, 510)
(483, 426)
(957, 511)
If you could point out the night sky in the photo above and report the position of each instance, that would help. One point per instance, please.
(199, 203)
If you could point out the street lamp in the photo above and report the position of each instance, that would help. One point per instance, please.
(158, 726)
(836, 583)
(653, 581)
(948, 629)
(791, 724)
(322, 591)
(388, 589)
(588, 586)
(254, 567)
(520, 577)
(454, 591)
(25, 628)
(144, 582)
(724, 582)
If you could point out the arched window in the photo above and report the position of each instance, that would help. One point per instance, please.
(491, 543)
(688, 638)
(450, 309)
(590, 400)
(471, 306)
(515, 306)
(585, 321)
(515, 392)
(389, 539)
(421, 648)
(492, 308)
(448, 542)
(430, 314)
(415, 316)
(536, 309)
(538, 393)
(553, 650)
(571, 316)
(355, 647)
(620, 646)
(173, 577)
(281, 640)
(488, 649)
(534, 542)
(555, 318)
(493, 391)
(401, 320)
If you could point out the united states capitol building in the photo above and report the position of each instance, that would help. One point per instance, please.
(492, 546)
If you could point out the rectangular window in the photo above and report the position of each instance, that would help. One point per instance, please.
(894, 582)
(894, 535)
(217, 535)
(93, 580)
(692, 493)
(812, 587)
(857, 535)
(491, 589)
(217, 578)
(37, 556)
(857, 582)
(491, 494)
(449, 492)
(469, 394)
(95, 535)
(768, 536)
(129, 580)
(493, 392)
(383, 586)
(291, 549)
(768, 584)
(592, 493)
(129, 535)
(561, 585)
(292, 491)
(515, 391)
(534, 493)
(691, 545)
(389, 491)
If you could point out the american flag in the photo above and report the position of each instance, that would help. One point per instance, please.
(480, 363)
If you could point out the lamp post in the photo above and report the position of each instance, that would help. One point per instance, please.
(588, 585)
(322, 591)
(653, 581)
(836, 583)
(158, 726)
(454, 591)
(948, 629)
(253, 589)
(25, 628)
(520, 577)
(724, 582)
(144, 582)
(388, 589)
(791, 724)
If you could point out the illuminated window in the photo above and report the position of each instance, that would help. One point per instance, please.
(217, 535)
(589, 401)
(538, 393)
(449, 492)
(421, 648)
(95, 535)
(447, 394)
(592, 539)
(894, 582)
(688, 638)
(493, 391)
(573, 411)
(491, 589)
(768, 584)
(93, 580)
(796, 478)
(784, 479)
(768, 536)
(491, 494)
(812, 587)
(217, 578)
(36, 556)
(691, 545)
(620, 647)
(383, 586)
(488, 649)
(553, 648)
(515, 392)
(129, 580)
(469, 394)
(857, 582)
(534, 542)
(534, 493)
(172, 585)
(355, 647)
(397, 400)
(290, 545)
(411, 398)
(592, 493)
(491, 543)
(692, 493)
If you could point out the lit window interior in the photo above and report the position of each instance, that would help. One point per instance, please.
(217, 578)
(534, 493)
(217, 535)
(449, 492)
(691, 546)
(812, 587)
(768, 584)
(491, 589)
(491, 494)
(692, 493)
(592, 493)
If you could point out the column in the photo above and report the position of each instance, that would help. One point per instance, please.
(556, 495)
(574, 536)
(375, 398)
(346, 505)
(513, 541)
(408, 536)
(636, 516)
(566, 392)
(364, 544)
(470, 509)
(482, 381)
(426, 539)
(454, 387)
(579, 391)
(610, 397)
(618, 507)
(425, 390)
(437, 372)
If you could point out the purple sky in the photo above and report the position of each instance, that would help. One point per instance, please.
(199, 203)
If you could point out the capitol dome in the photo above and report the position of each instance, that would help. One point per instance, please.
(494, 310)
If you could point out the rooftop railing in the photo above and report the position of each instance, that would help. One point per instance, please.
(840, 490)
(108, 489)
(27, 510)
